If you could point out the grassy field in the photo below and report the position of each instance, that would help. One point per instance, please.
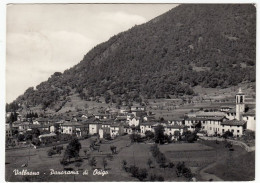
(39, 161)
(196, 156)
(237, 165)
(241, 168)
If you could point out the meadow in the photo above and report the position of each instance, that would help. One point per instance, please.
(196, 156)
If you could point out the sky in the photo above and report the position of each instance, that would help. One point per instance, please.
(45, 38)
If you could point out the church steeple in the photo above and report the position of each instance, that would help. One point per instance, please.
(240, 104)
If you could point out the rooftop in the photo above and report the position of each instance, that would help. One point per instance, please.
(71, 124)
(233, 123)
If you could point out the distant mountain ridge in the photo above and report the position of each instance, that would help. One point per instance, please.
(190, 45)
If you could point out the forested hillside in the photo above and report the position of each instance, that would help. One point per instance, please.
(208, 45)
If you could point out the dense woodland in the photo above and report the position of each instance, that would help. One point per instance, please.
(208, 45)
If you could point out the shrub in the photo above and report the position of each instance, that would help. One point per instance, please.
(64, 162)
(181, 169)
(124, 163)
(51, 152)
(135, 137)
(160, 178)
(171, 165)
(154, 177)
(107, 136)
(134, 170)
(36, 141)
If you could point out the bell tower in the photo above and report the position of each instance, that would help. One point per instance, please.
(240, 104)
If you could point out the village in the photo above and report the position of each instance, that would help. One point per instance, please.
(124, 131)
(111, 124)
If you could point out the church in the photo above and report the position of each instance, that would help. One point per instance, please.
(235, 120)
(241, 119)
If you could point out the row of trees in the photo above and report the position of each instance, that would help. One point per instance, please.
(32, 115)
(13, 117)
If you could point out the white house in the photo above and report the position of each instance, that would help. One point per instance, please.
(116, 130)
(148, 126)
(171, 129)
(94, 127)
(8, 130)
(250, 120)
(101, 133)
(128, 129)
(234, 126)
(135, 121)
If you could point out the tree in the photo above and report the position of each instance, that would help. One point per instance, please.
(73, 149)
(135, 137)
(177, 134)
(113, 149)
(149, 135)
(56, 128)
(149, 162)
(124, 163)
(159, 134)
(85, 151)
(227, 134)
(104, 163)
(35, 132)
(36, 141)
(28, 137)
(51, 152)
(155, 150)
(134, 170)
(78, 164)
(20, 137)
(93, 162)
(142, 174)
(154, 177)
(161, 159)
(183, 170)
(191, 137)
(107, 136)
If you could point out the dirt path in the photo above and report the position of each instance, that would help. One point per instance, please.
(207, 176)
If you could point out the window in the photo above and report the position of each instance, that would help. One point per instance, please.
(232, 131)
(223, 130)
(237, 131)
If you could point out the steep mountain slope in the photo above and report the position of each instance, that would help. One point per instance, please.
(207, 45)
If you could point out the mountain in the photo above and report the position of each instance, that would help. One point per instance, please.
(190, 45)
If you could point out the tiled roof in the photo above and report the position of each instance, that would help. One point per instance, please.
(71, 124)
(214, 114)
(149, 123)
(175, 126)
(205, 119)
(233, 122)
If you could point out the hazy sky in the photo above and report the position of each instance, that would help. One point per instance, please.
(44, 38)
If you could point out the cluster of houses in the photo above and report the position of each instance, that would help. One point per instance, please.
(137, 120)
